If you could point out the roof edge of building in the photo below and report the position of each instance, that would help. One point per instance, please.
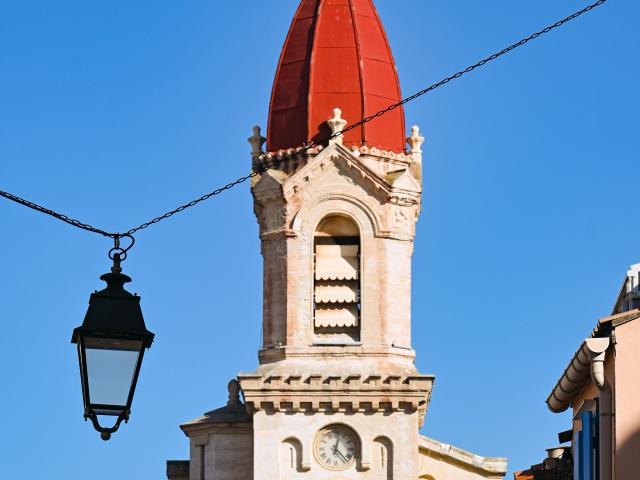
(578, 371)
(487, 465)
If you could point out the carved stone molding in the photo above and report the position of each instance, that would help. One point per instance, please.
(271, 216)
(336, 393)
(282, 198)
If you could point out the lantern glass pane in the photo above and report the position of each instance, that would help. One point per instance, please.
(111, 365)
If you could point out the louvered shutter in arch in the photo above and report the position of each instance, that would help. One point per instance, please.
(337, 274)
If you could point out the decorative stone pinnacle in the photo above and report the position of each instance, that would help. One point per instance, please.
(234, 393)
(416, 140)
(256, 141)
(336, 124)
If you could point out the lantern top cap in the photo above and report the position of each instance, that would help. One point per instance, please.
(114, 312)
(115, 283)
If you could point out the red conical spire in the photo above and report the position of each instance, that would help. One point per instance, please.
(336, 55)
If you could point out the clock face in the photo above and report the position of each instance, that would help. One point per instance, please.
(336, 447)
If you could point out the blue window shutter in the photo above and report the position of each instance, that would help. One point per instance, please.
(575, 453)
(595, 444)
(579, 462)
(586, 447)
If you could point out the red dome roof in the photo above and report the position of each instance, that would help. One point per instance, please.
(336, 55)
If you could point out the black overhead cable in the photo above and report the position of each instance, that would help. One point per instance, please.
(301, 150)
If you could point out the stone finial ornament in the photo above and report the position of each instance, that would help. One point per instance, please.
(256, 141)
(336, 123)
(415, 141)
(234, 393)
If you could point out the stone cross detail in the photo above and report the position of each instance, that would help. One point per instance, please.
(336, 124)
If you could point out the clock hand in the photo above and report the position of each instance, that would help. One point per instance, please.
(338, 452)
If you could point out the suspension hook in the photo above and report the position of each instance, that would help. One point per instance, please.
(118, 253)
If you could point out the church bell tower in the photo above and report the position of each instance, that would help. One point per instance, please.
(336, 394)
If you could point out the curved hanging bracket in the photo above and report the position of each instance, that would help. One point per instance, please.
(105, 432)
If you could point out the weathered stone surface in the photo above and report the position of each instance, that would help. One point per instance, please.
(382, 197)
(306, 382)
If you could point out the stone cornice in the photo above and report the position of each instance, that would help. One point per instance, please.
(400, 158)
(272, 353)
(397, 158)
(336, 393)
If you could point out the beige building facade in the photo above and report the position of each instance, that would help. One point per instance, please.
(601, 387)
(336, 394)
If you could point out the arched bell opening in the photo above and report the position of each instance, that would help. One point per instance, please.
(336, 280)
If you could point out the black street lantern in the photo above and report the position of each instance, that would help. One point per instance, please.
(111, 343)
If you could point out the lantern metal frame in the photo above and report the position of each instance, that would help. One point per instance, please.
(113, 316)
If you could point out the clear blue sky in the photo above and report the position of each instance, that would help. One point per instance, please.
(114, 112)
